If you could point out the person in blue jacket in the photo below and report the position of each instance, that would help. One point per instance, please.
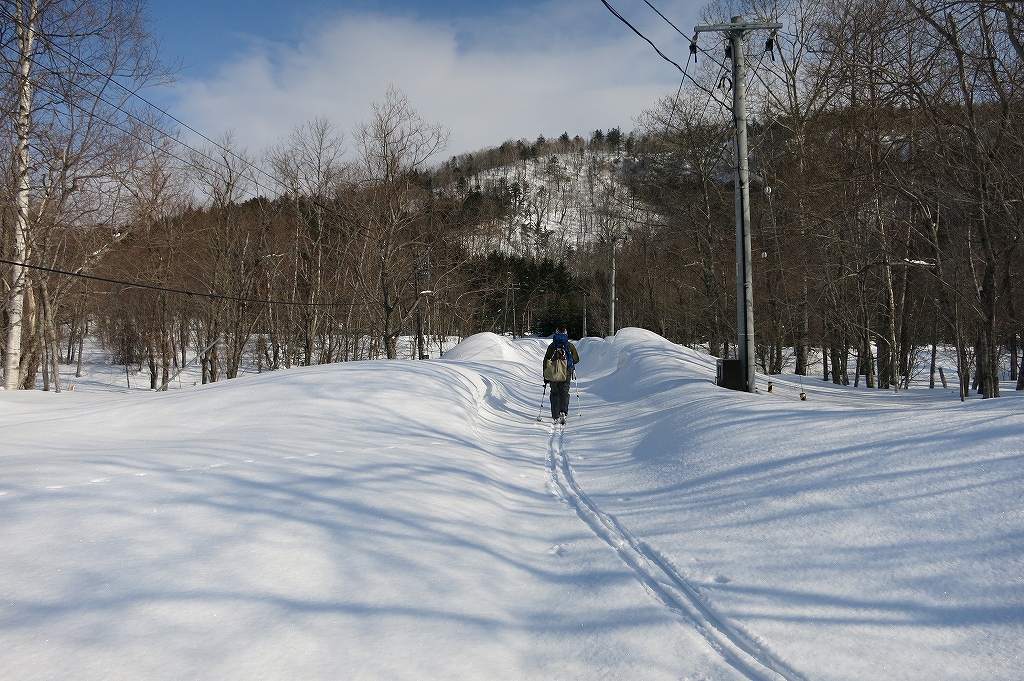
(560, 362)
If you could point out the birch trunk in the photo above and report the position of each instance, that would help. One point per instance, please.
(25, 20)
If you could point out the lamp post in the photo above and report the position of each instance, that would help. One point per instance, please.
(423, 297)
(611, 302)
(584, 315)
(421, 346)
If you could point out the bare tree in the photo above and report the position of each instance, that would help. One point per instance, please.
(157, 191)
(387, 202)
(973, 107)
(230, 255)
(308, 165)
(71, 69)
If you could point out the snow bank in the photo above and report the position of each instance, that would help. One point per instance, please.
(413, 520)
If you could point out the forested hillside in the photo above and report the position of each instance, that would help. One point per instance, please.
(887, 211)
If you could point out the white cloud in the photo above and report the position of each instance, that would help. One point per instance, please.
(568, 68)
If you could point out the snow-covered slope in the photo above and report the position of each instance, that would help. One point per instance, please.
(558, 200)
(413, 520)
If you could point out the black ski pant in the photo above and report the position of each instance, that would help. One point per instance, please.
(559, 398)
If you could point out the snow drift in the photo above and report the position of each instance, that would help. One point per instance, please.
(412, 520)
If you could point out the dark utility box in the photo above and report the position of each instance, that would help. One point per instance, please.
(730, 374)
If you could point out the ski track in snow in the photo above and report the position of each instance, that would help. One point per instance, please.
(657, 574)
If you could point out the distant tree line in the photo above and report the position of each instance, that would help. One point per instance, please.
(887, 210)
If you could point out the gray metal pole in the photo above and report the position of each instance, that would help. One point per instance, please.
(584, 315)
(611, 303)
(744, 276)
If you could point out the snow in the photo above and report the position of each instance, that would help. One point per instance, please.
(413, 520)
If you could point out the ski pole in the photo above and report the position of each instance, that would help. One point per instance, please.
(579, 405)
(541, 409)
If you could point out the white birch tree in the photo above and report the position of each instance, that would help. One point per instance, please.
(70, 71)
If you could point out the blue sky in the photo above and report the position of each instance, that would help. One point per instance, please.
(489, 71)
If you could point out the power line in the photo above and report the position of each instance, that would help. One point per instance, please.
(171, 154)
(645, 38)
(658, 12)
(694, 48)
(164, 289)
(227, 152)
(132, 93)
(135, 94)
(116, 125)
(143, 123)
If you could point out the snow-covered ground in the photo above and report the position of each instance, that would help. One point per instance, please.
(413, 520)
